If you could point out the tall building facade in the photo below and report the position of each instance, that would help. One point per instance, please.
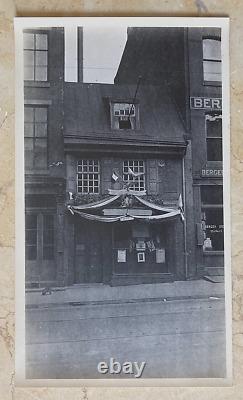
(44, 155)
(205, 83)
(188, 62)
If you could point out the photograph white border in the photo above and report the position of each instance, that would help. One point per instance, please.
(21, 23)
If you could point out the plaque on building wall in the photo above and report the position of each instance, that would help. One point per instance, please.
(121, 256)
(160, 255)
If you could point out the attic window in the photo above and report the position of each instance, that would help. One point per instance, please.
(124, 116)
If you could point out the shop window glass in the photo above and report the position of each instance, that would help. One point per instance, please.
(212, 218)
(212, 195)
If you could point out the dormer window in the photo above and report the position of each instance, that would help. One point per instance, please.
(124, 115)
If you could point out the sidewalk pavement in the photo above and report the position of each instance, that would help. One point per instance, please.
(100, 293)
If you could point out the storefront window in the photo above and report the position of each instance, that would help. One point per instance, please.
(212, 218)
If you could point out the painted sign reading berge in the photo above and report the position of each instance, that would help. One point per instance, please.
(212, 173)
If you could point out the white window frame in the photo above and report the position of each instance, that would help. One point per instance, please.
(89, 184)
(124, 109)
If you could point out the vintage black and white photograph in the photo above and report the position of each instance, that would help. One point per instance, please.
(125, 164)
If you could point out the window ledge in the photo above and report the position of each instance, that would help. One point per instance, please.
(217, 163)
(37, 172)
(213, 253)
(36, 84)
(212, 83)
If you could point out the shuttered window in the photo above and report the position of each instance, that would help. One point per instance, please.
(212, 217)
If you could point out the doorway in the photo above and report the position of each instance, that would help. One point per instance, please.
(139, 248)
(88, 252)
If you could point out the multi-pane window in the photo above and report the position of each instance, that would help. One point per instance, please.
(134, 174)
(124, 109)
(212, 60)
(214, 136)
(88, 176)
(35, 56)
(35, 132)
(124, 116)
(212, 217)
(39, 236)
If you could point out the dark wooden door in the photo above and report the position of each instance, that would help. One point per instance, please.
(88, 253)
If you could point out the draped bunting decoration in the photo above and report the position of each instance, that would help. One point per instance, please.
(168, 212)
(123, 218)
(159, 216)
(154, 206)
(96, 204)
(121, 192)
(93, 217)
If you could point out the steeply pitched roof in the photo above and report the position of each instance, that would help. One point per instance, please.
(87, 113)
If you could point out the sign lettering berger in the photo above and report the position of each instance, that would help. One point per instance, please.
(205, 103)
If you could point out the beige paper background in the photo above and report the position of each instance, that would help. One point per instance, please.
(9, 9)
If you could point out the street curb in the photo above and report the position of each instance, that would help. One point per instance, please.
(121, 301)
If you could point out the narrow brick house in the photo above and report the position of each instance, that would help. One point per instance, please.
(125, 160)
